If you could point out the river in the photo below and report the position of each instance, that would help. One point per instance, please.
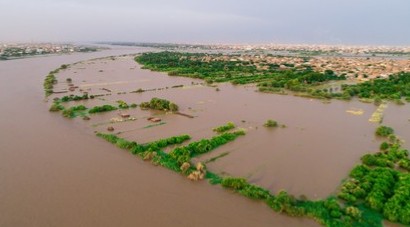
(53, 173)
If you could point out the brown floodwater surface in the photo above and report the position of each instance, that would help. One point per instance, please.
(55, 172)
(310, 156)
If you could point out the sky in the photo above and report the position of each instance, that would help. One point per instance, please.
(352, 22)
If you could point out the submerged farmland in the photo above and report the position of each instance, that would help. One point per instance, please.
(295, 169)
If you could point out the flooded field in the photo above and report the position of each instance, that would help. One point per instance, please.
(56, 172)
(310, 156)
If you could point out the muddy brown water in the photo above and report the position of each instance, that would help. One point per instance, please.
(55, 172)
(310, 156)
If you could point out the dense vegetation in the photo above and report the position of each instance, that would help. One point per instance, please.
(185, 153)
(328, 212)
(136, 148)
(272, 79)
(395, 87)
(302, 80)
(382, 182)
(159, 104)
(175, 159)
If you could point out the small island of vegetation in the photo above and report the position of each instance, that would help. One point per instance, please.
(160, 104)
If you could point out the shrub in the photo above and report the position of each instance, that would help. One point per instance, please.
(234, 183)
(271, 124)
(384, 146)
(56, 107)
(74, 111)
(224, 128)
(122, 104)
(104, 108)
(173, 107)
(384, 131)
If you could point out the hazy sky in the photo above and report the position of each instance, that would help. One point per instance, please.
(208, 21)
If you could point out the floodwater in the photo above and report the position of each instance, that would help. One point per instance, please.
(310, 156)
(55, 172)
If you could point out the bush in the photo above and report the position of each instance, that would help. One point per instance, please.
(271, 124)
(384, 146)
(384, 131)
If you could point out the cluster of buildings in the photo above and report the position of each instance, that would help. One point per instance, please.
(9, 51)
(321, 49)
(362, 68)
(360, 62)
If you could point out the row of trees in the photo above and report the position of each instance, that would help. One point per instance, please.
(223, 128)
(80, 110)
(328, 212)
(70, 98)
(48, 84)
(395, 87)
(51, 79)
(103, 108)
(175, 159)
(185, 153)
